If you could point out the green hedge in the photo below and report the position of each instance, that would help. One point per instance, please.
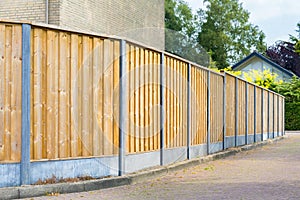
(292, 116)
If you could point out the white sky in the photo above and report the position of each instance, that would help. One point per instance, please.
(276, 18)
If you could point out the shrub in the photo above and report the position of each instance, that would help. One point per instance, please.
(292, 113)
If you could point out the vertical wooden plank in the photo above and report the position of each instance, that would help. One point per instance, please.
(116, 75)
(131, 100)
(16, 100)
(7, 98)
(136, 101)
(74, 77)
(2, 91)
(172, 103)
(85, 135)
(142, 99)
(128, 101)
(145, 102)
(63, 95)
(36, 103)
(166, 101)
(155, 102)
(150, 90)
(80, 144)
(108, 100)
(91, 96)
(52, 88)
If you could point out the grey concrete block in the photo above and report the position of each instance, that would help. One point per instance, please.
(106, 183)
(9, 193)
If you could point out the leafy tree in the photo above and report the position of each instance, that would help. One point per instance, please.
(286, 54)
(227, 32)
(181, 31)
(296, 40)
(291, 90)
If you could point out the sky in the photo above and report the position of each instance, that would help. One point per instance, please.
(276, 18)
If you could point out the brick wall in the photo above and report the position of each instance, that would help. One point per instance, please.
(140, 20)
(33, 10)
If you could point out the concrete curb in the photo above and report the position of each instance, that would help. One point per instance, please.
(140, 176)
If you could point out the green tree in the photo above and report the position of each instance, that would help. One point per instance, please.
(181, 30)
(227, 32)
(296, 39)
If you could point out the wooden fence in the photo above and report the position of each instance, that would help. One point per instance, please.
(75, 82)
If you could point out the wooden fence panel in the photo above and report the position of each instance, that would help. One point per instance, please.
(271, 120)
(216, 108)
(175, 131)
(258, 110)
(230, 105)
(276, 114)
(75, 101)
(265, 111)
(73, 107)
(10, 92)
(250, 109)
(144, 99)
(280, 113)
(241, 107)
(199, 106)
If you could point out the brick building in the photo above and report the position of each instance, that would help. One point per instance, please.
(140, 20)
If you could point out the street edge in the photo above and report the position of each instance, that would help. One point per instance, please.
(136, 177)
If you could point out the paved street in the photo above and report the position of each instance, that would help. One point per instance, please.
(269, 172)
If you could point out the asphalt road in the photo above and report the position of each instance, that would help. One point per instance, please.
(268, 172)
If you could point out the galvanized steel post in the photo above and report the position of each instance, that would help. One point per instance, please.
(262, 115)
(278, 115)
(224, 110)
(162, 98)
(268, 123)
(123, 107)
(208, 112)
(236, 111)
(254, 110)
(188, 111)
(247, 113)
(273, 115)
(25, 134)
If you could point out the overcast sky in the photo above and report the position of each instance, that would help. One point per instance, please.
(276, 18)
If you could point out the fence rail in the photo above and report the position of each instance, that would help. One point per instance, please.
(75, 82)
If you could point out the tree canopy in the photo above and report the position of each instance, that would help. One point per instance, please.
(225, 30)
(286, 53)
(181, 29)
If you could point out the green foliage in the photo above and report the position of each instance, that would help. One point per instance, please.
(290, 90)
(227, 32)
(180, 33)
(265, 79)
(292, 113)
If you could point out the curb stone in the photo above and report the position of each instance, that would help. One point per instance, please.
(140, 176)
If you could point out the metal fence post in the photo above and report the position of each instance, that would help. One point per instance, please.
(268, 123)
(254, 110)
(283, 116)
(162, 99)
(278, 115)
(224, 111)
(208, 112)
(188, 111)
(25, 134)
(262, 115)
(273, 115)
(247, 113)
(123, 107)
(236, 111)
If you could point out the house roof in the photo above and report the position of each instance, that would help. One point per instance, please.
(264, 59)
